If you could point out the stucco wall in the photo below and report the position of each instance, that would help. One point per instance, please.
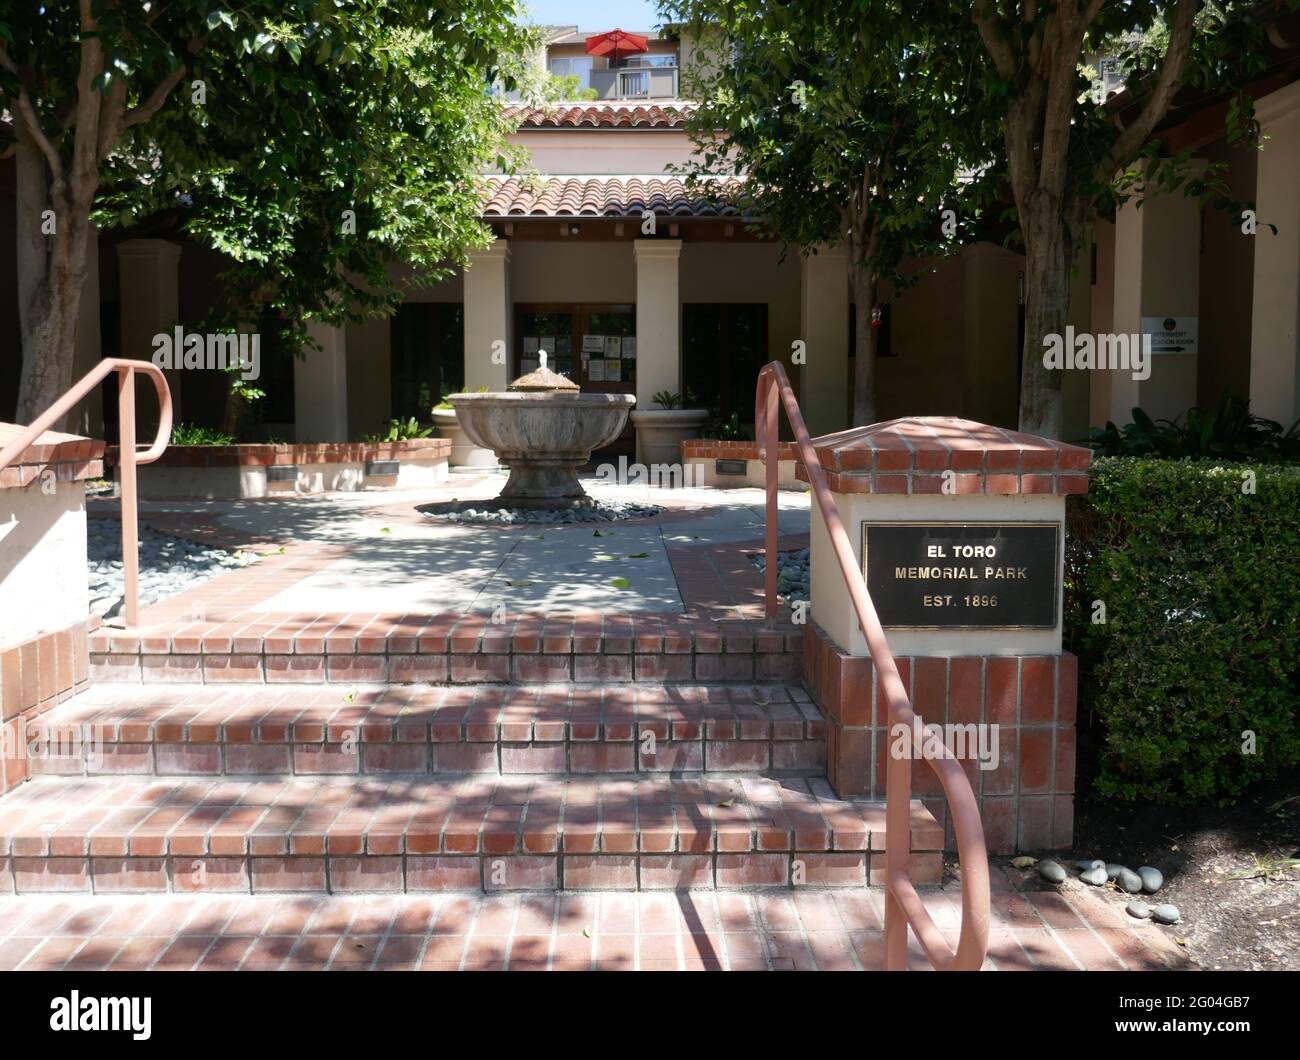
(593, 152)
(747, 272)
(1227, 284)
(560, 271)
(43, 577)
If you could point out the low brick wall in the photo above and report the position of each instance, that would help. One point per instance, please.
(239, 472)
(703, 454)
(35, 676)
(1027, 802)
(44, 657)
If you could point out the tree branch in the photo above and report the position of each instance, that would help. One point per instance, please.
(31, 120)
(1004, 57)
(1157, 104)
(151, 105)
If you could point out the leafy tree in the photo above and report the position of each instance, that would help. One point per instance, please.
(316, 144)
(850, 119)
(1068, 156)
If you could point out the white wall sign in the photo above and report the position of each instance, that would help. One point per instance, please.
(1172, 334)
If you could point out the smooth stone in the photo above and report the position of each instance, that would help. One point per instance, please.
(1152, 879)
(1166, 914)
(1096, 877)
(1112, 870)
(1128, 881)
(1138, 909)
(1051, 871)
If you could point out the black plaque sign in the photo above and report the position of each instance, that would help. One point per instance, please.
(963, 575)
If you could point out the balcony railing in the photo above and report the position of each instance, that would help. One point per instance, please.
(650, 82)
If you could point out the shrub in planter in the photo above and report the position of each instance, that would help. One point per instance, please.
(1200, 581)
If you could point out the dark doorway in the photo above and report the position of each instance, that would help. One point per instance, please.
(428, 356)
(724, 345)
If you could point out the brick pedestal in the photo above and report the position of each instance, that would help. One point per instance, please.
(1018, 683)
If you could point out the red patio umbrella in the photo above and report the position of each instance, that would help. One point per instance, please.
(617, 42)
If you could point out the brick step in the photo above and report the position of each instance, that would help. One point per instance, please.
(272, 648)
(341, 834)
(308, 730)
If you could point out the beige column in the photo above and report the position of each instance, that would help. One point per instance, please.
(658, 322)
(824, 329)
(150, 305)
(1076, 387)
(1157, 274)
(320, 386)
(990, 286)
(658, 318)
(89, 417)
(488, 323)
(1275, 314)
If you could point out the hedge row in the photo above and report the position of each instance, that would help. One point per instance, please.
(1197, 566)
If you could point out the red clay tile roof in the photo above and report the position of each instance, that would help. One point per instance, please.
(601, 116)
(603, 197)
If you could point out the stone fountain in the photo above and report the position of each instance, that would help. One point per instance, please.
(543, 430)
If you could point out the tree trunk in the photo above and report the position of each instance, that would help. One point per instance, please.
(1047, 305)
(51, 274)
(866, 282)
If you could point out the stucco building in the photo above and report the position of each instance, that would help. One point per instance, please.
(607, 262)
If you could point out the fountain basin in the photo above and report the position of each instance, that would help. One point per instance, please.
(543, 437)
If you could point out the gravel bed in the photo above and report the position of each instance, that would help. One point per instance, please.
(168, 565)
(480, 513)
(793, 573)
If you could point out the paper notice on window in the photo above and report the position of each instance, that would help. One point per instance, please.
(613, 371)
(596, 370)
(613, 346)
(593, 344)
(629, 347)
(546, 345)
(528, 364)
(530, 344)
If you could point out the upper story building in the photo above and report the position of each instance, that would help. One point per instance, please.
(649, 73)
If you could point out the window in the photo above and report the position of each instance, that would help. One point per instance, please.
(428, 356)
(578, 66)
(723, 347)
(634, 62)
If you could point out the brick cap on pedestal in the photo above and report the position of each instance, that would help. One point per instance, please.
(912, 455)
(70, 456)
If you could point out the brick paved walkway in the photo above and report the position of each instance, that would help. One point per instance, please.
(833, 930)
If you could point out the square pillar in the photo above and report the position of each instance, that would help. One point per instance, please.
(959, 530)
(320, 386)
(1157, 275)
(658, 326)
(824, 328)
(89, 418)
(658, 318)
(990, 281)
(1275, 315)
(489, 328)
(150, 305)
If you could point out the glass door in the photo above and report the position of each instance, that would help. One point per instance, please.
(592, 344)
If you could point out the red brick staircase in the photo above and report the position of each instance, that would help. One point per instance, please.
(417, 788)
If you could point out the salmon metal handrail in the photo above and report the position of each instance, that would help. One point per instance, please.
(128, 456)
(903, 906)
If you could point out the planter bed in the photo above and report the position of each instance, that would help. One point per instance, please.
(720, 464)
(241, 472)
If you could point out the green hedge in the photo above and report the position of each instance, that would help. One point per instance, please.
(1201, 586)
